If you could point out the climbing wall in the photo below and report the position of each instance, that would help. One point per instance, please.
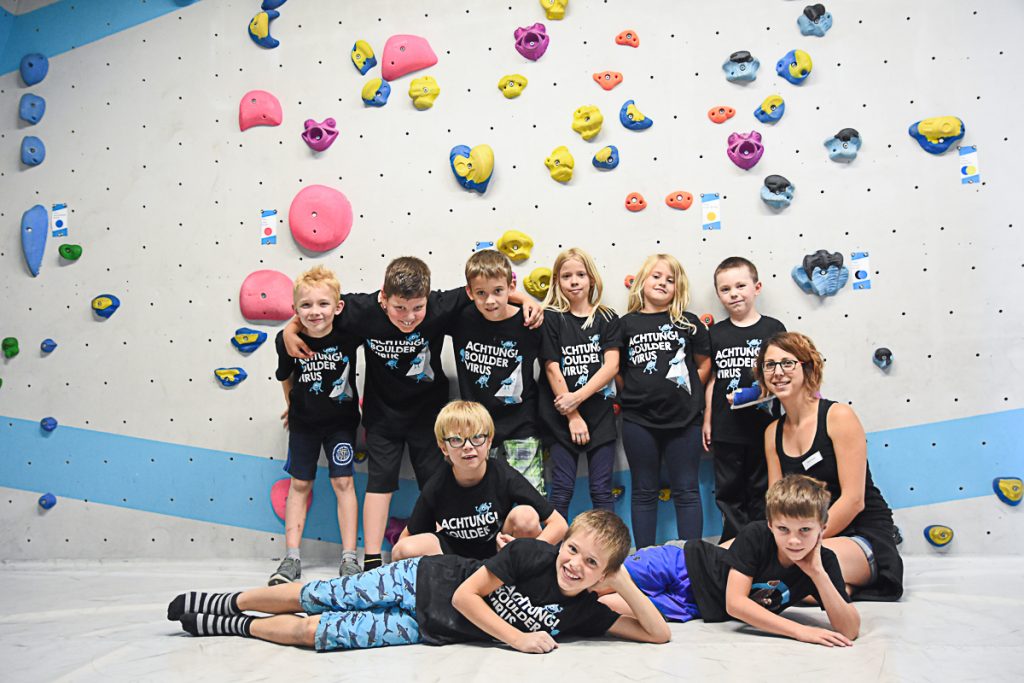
(154, 458)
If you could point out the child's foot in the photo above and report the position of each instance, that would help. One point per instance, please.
(216, 625)
(289, 570)
(349, 564)
(210, 603)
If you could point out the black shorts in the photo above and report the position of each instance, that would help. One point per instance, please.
(385, 459)
(304, 452)
(476, 550)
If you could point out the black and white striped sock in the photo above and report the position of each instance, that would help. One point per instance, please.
(217, 625)
(210, 603)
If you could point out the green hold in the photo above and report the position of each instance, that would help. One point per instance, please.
(10, 347)
(71, 252)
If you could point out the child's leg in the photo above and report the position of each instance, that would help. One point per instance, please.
(280, 599)
(340, 455)
(390, 586)
(563, 478)
(756, 476)
(424, 455)
(852, 560)
(303, 454)
(416, 545)
(286, 629)
(363, 629)
(644, 457)
(522, 522)
(682, 452)
(383, 467)
(295, 512)
(730, 487)
(600, 462)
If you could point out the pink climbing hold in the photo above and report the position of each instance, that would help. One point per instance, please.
(266, 295)
(279, 496)
(404, 54)
(259, 108)
(320, 217)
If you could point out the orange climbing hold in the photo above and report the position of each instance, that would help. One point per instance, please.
(608, 79)
(628, 281)
(707, 319)
(628, 37)
(636, 202)
(679, 200)
(721, 114)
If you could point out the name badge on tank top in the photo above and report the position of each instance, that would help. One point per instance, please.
(812, 460)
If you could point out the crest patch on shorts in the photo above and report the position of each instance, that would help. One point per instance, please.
(342, 454)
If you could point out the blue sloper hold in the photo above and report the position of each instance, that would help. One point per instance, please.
(34, 68)
(47, 501)
(230, 377)
(31, 108)
(48, 345)
(247, 340)
(33, 151)
(800, 277)
(48, 424)
(828, 282)
(33, 236)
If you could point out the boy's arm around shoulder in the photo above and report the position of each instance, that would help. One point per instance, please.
(647, 625)
(469, 601)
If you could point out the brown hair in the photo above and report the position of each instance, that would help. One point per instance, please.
(315, 277)
(735, 262)
(803, 350)
(489, 264)
(407, 277)
(610, 531)
(797, 496)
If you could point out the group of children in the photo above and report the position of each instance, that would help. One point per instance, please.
(484, 553)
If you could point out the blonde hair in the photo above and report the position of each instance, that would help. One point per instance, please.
(489, 264)
(609, 530)
(407, 277)
(462, 417)
(803, 350)
(797, 496)
(317, 276)
(681, 298)
(557, 301)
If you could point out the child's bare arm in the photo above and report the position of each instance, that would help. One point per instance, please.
(703, 367)
(293, 344)
(610, 368)
(469, 600)
(706, 431)
(554, 530)
(843, 616)
(646, 625)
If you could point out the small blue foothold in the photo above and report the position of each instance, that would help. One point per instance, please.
(882, 357)
(31, 108)
(33, 151)
(34, 68)
(483, 245)
(47, 501)
(48, 345)
(247, 340)
(48, 424)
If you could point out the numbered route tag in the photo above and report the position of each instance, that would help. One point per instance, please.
(969, 173)
(711, 211)
(59, 220)
(860, 267)
(268, 226)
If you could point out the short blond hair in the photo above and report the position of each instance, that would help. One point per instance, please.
(797, 496)
(466, 418)
(489, 264)
(609, 530)
(317, 276)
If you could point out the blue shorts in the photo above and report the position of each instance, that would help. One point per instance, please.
(372, 609)
(304, 452)
(659, 571)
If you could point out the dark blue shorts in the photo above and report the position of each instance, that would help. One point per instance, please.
(304, 452)
(659, 571)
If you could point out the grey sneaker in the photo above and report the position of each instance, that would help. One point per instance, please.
(349, 566)
(289, 570)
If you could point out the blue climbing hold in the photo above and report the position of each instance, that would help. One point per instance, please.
(33, 236)
(105, 305)
(48, 424)
(31, 108)
(259, 29)
(632, 118)
(33, 151)
(271, 4)
(815, 21)
(606, 158)
(34, 68)
(1010, 490)
(777, 191)
(882, 357)
(938, 535)
(48, 345)
(230, 377)
(47, 501)
(247, 340)
(376, 92)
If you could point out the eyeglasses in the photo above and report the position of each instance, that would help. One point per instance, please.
(459, 442)
(787, 365)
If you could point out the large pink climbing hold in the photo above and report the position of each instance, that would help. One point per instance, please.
(259, 108)
(279, 496)
(320, 217)
(266, 295)
(404, 54)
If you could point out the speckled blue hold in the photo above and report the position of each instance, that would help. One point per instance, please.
(31, 108)
(247, 340)
(48, 424)
(777, 192)
(48, 345)
(34, 68)
(33, 151)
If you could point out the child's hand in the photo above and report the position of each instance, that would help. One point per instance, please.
(567, 402)
(294, 345)
(612, 582)
(706, 434)
(503, 540)
(811, 562)
(284, 418)
(533, 314)
(728, 396)
(536, 643)
(822, 636)
(578, 430)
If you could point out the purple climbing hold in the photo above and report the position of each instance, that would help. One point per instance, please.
(532, 41)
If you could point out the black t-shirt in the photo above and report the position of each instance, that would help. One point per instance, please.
(530, 598)
(405, 386)
(471, 517)
(496, 363)
(580, 355)
(733, 356)
(324, 393)
(754, 553)
(661, 387)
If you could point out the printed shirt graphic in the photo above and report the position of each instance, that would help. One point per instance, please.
(405, 385)
(580, 355)
(324, 392)
(661, 387)
(733, 355)
(496, 362)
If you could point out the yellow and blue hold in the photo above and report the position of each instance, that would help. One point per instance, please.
(259, 29)
(937, 134)
(1010, 490)
(771, 110)
(376, 92)
(795, 66)
(606, 158)
(632, 118)
(105, 305)
(938, 535)
(230, 377)
(247, 340)
(362, 56)
(473, 168)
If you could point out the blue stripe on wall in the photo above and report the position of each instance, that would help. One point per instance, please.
(68, 24)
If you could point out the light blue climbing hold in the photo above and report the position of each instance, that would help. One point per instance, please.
(259, 29)
(31, 108)
(247, 340)
(844, 145)
(230, 377)
(34, 68)
(48, 345)
(33, 236)
(777, 191)
(815, 21)
(33, 151)
(741, 67)
(48, 424)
